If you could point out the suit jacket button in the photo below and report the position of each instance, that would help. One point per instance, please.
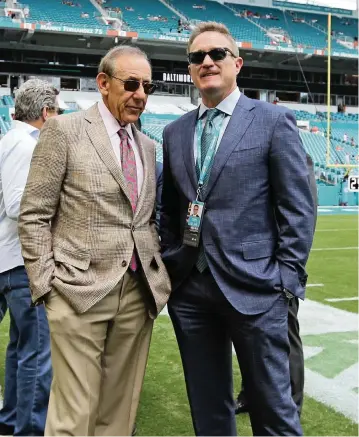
(124, 263)
(133, 228)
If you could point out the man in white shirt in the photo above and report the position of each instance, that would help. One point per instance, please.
(28, 371)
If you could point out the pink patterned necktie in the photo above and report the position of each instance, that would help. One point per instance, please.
(128, 163)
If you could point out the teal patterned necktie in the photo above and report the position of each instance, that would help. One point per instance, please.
(206, 139)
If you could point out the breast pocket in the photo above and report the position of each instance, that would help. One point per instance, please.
(252, 157)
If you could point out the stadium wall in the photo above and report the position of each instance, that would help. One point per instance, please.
(314, 108)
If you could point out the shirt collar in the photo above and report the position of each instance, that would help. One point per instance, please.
(112, 125)
(26, 127)
(227, 105)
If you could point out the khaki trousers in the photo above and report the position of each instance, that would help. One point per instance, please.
(99, 359)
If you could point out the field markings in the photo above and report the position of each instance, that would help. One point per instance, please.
(341, 299)
(321, 249)
(314, 285)
(330, 347)
(336, 230)
(335, 207)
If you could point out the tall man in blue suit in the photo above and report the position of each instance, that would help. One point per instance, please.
(244, 160)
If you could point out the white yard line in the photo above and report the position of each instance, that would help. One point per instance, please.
(314, 285)
(341, 299)
(336, 207)
(333, 393)
(334, 248)
(336, 230)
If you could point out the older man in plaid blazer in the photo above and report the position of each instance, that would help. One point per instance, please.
(91, 251)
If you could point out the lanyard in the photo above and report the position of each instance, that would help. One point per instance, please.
(204, 167)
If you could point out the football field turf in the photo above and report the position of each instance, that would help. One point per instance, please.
(329, 326)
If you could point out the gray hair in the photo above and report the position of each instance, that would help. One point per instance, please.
(107, 64)
(32, 97)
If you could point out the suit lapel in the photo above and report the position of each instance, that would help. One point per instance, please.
(100, 140)
(187, 140)
(240, 120)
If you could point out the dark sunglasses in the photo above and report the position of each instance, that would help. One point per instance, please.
(132, 85)
(217, 54)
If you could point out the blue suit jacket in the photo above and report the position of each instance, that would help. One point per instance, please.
(159, 183)
(259, 219)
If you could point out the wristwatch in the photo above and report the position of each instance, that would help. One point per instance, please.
(288, 294)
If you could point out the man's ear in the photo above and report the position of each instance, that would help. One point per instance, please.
(44, 113)
(103, 83)
(239, 64)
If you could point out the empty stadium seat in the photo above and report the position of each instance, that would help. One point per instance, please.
(141, 18)
(242, 29)
(57, 13)
(8, 101)
(316, 144)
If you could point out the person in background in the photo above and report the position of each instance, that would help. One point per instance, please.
(159, 185)
(296, 356)
(234, 284)
(3, 307)
(28, 371)
(92, 251)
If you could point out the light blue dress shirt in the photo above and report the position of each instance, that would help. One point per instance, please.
(227, 106)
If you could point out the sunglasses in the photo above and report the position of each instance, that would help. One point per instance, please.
(132, 85)
(216, 55)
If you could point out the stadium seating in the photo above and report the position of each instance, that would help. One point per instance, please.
(5, 21)
(300, 33)
(141, 17)
(350, 29)
(153, 125)
(242, 29)
(58, 13)
(322, 21)
(342, 152)
(4, 126)
(340, 116)
(8, 101)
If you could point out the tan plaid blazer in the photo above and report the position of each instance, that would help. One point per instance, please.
(76, 224)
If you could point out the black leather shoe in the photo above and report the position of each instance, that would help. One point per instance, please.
(134, 429)
(6, 430)
(241, 403)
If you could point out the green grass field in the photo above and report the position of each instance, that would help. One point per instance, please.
(164, 409)
(336, 269)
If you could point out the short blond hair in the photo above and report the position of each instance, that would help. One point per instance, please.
(212, 26)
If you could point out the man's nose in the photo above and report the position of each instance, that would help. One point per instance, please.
(207, 61)
(140, 94)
